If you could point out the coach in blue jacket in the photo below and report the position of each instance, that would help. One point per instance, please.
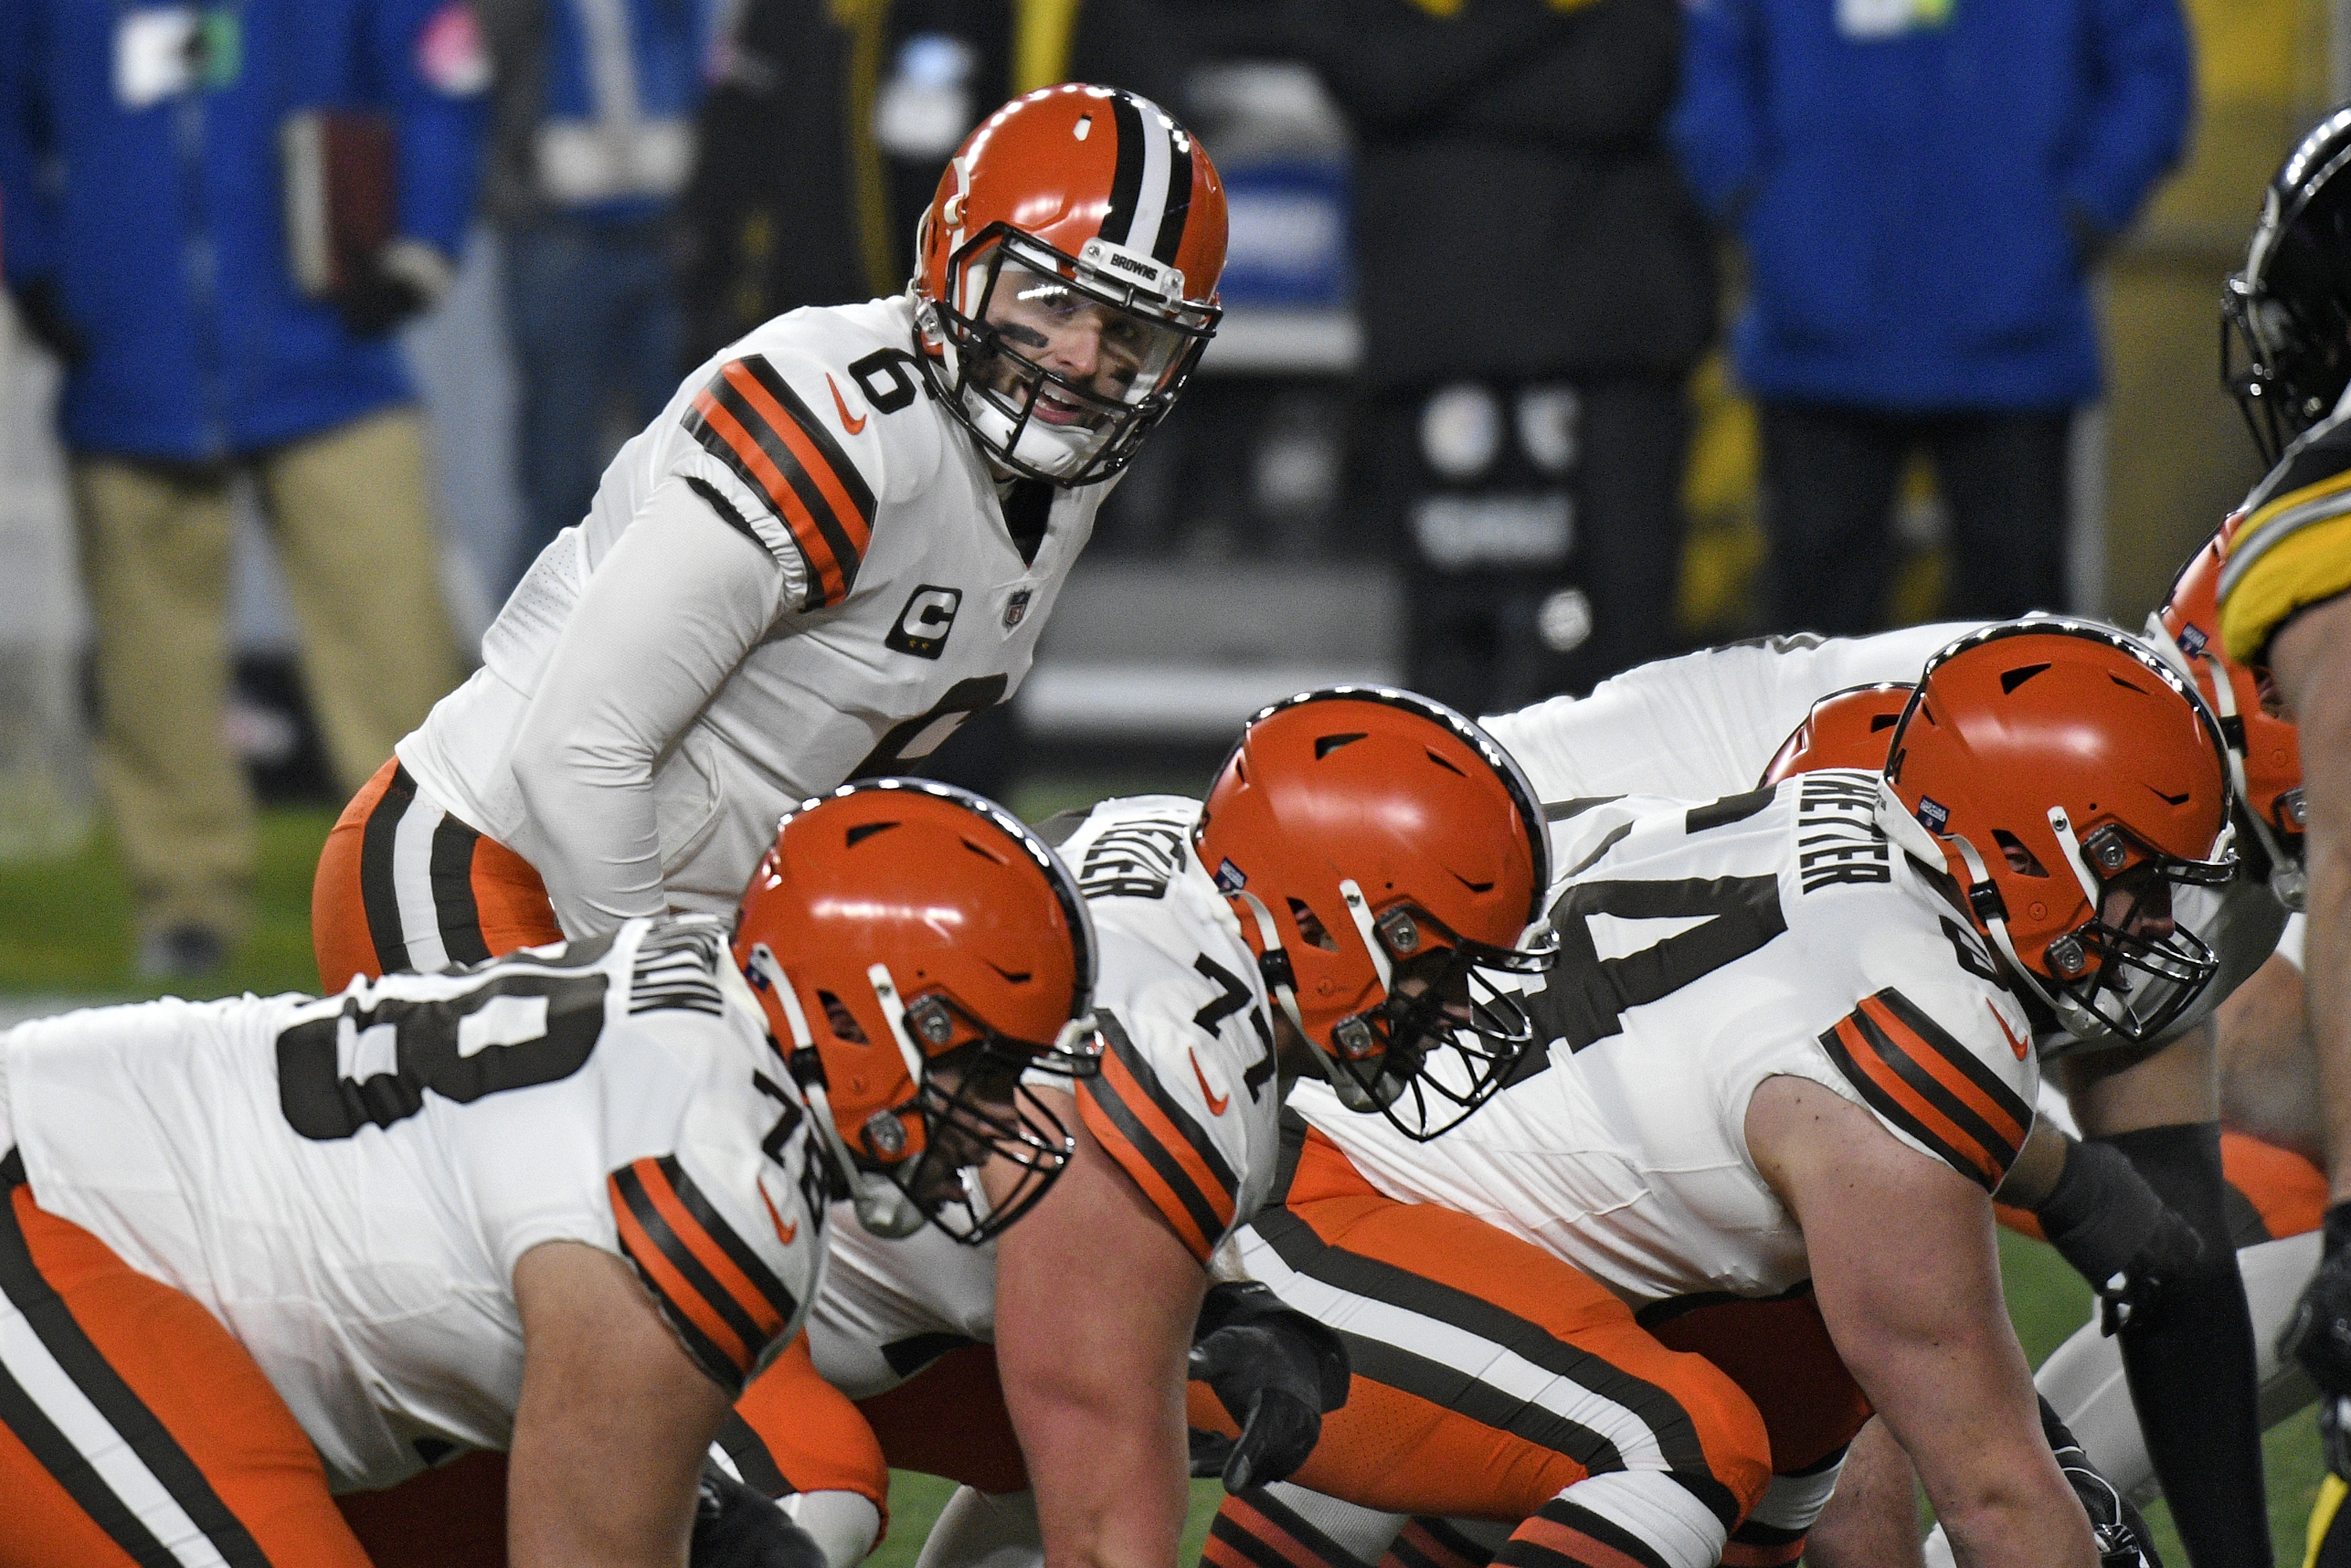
(1922, 186)
(145, 243)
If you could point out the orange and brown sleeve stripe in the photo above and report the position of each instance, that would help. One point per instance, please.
(1158, 1142)
(749, 418)
(723, 1302)
(1917, 1075)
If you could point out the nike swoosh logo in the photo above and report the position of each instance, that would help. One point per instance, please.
(2014, 1044)
(787, 1234)
(854, 426)
(1216, 1104)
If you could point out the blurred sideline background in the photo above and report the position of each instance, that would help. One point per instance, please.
(1222, 576)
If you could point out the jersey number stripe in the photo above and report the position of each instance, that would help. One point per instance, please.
(723, 1302)
(1916, 1075)
(1156, 1142)
(749, 418)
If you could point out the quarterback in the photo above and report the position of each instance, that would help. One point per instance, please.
(256, 1251)
(1802, 1006)
(839, 540)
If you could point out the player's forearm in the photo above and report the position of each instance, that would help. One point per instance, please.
(2025, 1520)
(1114, 1504)
(2307, 658)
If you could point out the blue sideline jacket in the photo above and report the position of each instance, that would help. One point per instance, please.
(1917, 182)
(162, 222)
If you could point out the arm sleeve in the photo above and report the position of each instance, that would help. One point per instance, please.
(1718, 126)
(1951, 1073)
(2142, 97)
(432, 69)
(666, 617)
(764, 444)
(28, 217)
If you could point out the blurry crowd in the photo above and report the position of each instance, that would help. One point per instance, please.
(1478, 250)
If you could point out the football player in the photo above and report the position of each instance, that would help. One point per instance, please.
(1700, 724)
(2284, 606)
(1803, 1005)
(838, 541)
(564, 1204)
(974, 1363)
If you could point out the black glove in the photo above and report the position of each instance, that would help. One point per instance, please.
(1276, 1370)
(2105, 1220)
(399, 280)
(43, 313)
(2118, 1528)
(2319, 1334)
(736, 1526)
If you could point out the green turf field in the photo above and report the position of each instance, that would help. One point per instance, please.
(65, 933)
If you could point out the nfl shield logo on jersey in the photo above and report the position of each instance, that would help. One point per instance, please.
(1016, 608)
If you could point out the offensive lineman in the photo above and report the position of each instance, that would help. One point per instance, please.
(1871, 1083)
(564, 1202)
(1176, 1140)
(838, 541)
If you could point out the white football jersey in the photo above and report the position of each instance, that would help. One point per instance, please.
(906, 604)
(1704, 949)
(1188, 1101)
(1707, 724)
(347, 1183)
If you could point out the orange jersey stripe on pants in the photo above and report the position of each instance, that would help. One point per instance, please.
(1488, 1376)
(453, 897)
(132, 1424)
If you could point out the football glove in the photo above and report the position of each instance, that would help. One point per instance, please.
(2318, 1335)
(736, 1526)
(1277, 1373)
(2117, 1527)
(2105, 1220)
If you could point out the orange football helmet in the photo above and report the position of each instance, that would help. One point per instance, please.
(1370, 839)
(2265, 750)
(1065, 278)
(2068, 779)
(1850, 729)
(920, 950)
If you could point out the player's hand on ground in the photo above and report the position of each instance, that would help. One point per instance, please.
(1276, 1370)
(736, 1526)
(2115, 1522)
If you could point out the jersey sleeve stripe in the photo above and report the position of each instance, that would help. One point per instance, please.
(694, 1263)
(844, 488)
(2001, 1108)
(723, 433)
(1173, 1125)
(1106, 1102)
(1895, 1068)
(746, 398)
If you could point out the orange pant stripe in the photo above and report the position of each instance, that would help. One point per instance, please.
(196, 1445)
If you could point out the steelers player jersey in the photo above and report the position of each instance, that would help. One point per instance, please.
(1705, 948)
(1188, 1101)
(901, 604)
(2294, 548)
(347, 1181)
(1707, 724)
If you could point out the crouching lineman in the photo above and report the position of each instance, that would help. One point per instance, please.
(2115, 1204)
(839, 542)
(259, 1250)
(1365, 848)
(1791, 1057)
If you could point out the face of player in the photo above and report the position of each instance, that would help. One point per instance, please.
(974, 1078)
(1104, 352)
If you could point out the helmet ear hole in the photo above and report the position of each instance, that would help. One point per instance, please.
(842, 1023)
(1310, 926)
(2021, 860)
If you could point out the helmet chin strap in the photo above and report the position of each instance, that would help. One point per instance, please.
(2077, 1018)
(1273, 961)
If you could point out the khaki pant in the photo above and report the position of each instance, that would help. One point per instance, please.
(349, 519)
